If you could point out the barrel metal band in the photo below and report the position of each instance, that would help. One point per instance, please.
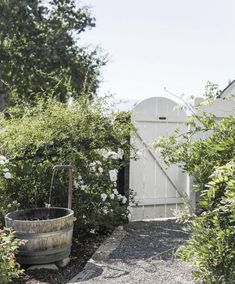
(28, 236)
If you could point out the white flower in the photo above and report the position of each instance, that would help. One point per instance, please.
(79, 177)
(92, 231)
(124, 199)
(7, 175)
(115, 191)
(2, 162)
(114, 155)
(114, 183)
(103, 196)
(100, 170)
(95, 163)
(2, 158)
(6, 170)
(119, 196)
(105, 210)
(113, 175)
(103, 153)
(111, 196)
(111, 154)
(120, 153)
(84, 187)
(76, 184)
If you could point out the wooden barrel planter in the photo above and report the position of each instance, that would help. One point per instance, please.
(47, 233)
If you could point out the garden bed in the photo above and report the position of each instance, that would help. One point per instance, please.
(82, 250)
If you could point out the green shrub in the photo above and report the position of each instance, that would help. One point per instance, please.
(9, 268)
(90, 137)
(211, 249)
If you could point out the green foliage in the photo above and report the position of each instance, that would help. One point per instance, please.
(211, 248)
(212, 90)
(38, 50)
(9, 268)
(90, 137)
(200, 157)
(212, 245)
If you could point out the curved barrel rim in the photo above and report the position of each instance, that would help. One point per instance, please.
(9, 218)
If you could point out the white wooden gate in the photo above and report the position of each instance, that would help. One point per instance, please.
(158, 190)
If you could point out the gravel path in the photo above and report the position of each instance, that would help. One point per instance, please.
(145, 255)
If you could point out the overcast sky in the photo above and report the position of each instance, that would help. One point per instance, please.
(178, 44)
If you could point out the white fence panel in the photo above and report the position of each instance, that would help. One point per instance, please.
(158, 190)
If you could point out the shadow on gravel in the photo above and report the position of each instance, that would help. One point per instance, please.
(157, 240)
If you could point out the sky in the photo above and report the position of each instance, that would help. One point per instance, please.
(157, 44)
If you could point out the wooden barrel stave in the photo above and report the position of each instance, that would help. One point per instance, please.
(45, 241)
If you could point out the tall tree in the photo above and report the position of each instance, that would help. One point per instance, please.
(38, 50)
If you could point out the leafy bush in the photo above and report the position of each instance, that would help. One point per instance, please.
(212, 245)
(211, 248)
(90, 137)
(199, 157)
(9, 268)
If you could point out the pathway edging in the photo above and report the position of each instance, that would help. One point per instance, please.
(94, 265)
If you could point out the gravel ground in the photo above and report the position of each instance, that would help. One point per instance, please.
(82, 250)
(145, 255)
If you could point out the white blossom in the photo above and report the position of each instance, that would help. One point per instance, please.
(84, 187)
(103, 196)
(115, 191)
(114, 155)
(105, 210)
(103, 153)
(6, 170)
(95, 163)
(113, 174)
(93, 166)
(120, 153)
(100, 169)
(111, 154)
(111, 196)
(119, 196)
(124, 199)
(3, 160)
(79, 177)
(92, 231)
(75, 184)
(7, 175)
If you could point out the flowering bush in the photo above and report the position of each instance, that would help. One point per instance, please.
(90, 137)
